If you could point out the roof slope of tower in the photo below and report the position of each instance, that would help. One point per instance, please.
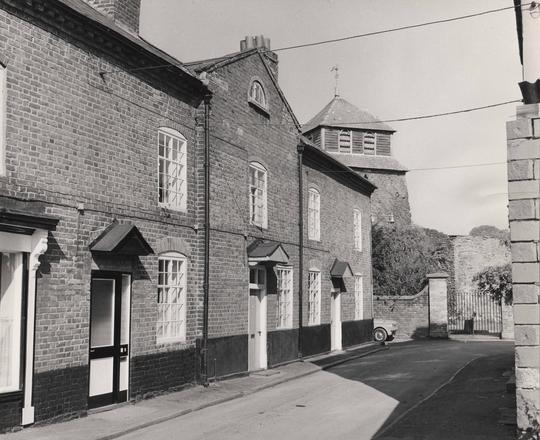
(341, 113)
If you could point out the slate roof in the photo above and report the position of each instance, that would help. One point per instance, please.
(125, 239)
(89, 12)
(341, 113)
(355, 161)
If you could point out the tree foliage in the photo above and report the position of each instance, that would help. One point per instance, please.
(491, 232)
(403, 256)
(495, 281)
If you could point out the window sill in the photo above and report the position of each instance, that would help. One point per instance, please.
(263, 226)
(259, 107)
(284, 328)
(170, 341)
(166, 207)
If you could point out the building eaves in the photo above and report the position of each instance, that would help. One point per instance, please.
(87, 27)
(332, 165)
(363, 162)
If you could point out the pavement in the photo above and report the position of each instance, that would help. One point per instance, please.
(120, 420)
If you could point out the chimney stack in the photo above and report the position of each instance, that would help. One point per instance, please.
(125, 13)
(260, 42)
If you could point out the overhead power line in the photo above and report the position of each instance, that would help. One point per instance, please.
(397, 29)
(337, 40)
(410, 118)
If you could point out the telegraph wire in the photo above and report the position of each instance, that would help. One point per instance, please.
(337, 40)
(397, 29)
(404, 119)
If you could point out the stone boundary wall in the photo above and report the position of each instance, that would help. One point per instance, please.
(523, 136)
(410, 312)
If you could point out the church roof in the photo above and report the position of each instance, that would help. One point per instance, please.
(341, 113)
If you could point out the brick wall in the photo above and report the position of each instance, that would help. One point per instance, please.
(524, 215)
(241, 133)
(410, 312)
(75, 138)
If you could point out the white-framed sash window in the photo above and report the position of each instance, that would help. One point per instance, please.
(11, 293)
(258, 195)
(357, 229)
(358, 297)
(284, 296)
(314, 297)
(172, 163)
(172, 297)
(314, 214)
(3, 99)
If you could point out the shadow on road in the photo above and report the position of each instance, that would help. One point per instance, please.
(468, 406)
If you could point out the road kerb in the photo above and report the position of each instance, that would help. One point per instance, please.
(425, 399)
(235, 396)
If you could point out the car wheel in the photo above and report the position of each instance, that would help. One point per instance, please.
(379, 334)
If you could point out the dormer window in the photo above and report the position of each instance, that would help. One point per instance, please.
(257, 95)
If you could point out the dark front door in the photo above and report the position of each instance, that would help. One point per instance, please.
(109, 338)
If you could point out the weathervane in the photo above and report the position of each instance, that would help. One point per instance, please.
(336, 76)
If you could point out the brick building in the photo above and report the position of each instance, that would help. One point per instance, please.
(363, 143)
(255, 242)
(102, 217)
(84, 217)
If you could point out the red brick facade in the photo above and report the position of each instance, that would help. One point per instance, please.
(81, 147)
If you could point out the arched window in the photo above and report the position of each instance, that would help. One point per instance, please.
(257, 94)
(172, 158)
(314, 214)
(257, 195)
(357, 230)
(3, 98)
(172, 297)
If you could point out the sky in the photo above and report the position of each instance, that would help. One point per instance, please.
(434, 69)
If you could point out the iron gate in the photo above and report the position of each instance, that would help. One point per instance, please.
(473, 313)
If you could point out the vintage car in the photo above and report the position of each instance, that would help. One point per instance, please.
(384, 329)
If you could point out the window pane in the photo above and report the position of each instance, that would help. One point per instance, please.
(10, 320)
(172, 298)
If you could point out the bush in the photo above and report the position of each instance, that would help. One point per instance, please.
(403, 256)
(495, 281)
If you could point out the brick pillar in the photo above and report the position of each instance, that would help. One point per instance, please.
(523, 136)
(507, 321)
(438, 305)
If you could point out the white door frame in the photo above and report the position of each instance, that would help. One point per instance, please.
(261, 360)
(335, 323)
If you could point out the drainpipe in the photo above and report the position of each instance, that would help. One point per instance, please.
(300, 149)
(206, 281)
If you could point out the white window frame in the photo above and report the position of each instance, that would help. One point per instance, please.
(172, 313)
(314, 297)
(358, 297)
(3, 119)
(314, 214)
(11, 322)
(258, 98)
(284, 298)
(172, 165)
(258, 184)
(357, 215)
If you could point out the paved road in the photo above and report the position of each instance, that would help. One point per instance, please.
(369, 397)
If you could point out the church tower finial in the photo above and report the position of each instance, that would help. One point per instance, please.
(336, 76)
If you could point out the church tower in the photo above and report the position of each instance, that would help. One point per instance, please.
(363, 143)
